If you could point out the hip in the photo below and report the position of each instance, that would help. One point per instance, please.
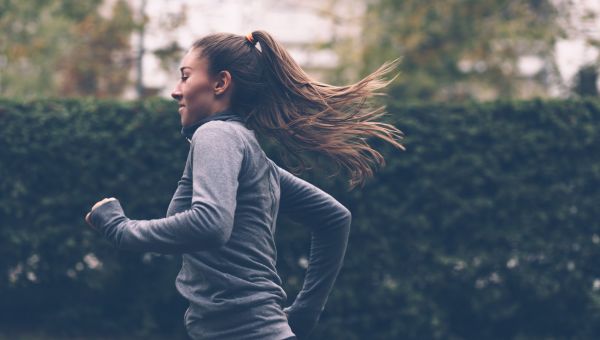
(263, 321)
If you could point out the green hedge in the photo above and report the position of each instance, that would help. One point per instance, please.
(486, 227)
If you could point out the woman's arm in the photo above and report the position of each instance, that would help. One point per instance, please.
(329, 223)
(216, 155)
(181, 198)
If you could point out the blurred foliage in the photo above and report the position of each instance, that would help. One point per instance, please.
(67, 48)
(57, 158)
(64, 48)
(99, 64)
(486, 227)
(462, 49)
(586, 81)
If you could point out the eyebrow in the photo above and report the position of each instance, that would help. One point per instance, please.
(184, 67)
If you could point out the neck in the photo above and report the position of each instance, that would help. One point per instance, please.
(218, 107)
(226, 114)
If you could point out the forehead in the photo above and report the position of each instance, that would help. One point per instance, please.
(193, 60)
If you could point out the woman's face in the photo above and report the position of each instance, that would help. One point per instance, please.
(195, 91)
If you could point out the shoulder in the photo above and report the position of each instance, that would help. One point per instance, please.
(219, 132)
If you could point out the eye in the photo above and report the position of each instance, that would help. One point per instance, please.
(184, 77)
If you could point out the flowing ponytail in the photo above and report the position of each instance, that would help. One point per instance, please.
(280, 100)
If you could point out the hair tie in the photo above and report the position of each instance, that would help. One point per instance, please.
(250, 39)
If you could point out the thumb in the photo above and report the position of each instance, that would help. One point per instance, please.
(88, 220)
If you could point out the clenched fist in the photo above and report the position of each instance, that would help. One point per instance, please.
(99, 203)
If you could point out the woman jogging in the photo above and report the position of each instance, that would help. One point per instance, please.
(222, 217)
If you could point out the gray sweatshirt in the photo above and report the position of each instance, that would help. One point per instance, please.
(222, 220)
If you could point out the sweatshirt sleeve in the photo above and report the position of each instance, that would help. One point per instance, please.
(181, 198)
(216, 156)
(329, 223)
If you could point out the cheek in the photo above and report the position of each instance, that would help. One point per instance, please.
(198, 93)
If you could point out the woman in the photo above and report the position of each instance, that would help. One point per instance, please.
(222, 217)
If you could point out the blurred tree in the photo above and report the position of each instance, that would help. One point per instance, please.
(99, 60)
(461, 49)
(33, 34)
(63, 47)
(586, 81)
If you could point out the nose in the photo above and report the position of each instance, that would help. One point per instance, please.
(176, 93)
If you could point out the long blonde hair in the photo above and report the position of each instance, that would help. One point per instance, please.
(280, 100)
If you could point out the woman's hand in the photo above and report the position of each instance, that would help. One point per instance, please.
(99, 203)
(302, 323)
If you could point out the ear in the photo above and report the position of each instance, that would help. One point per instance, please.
(222, 83)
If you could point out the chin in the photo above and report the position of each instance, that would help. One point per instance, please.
(186, 120)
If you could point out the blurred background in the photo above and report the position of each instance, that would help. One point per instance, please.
(451, 50)
(486, 227)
